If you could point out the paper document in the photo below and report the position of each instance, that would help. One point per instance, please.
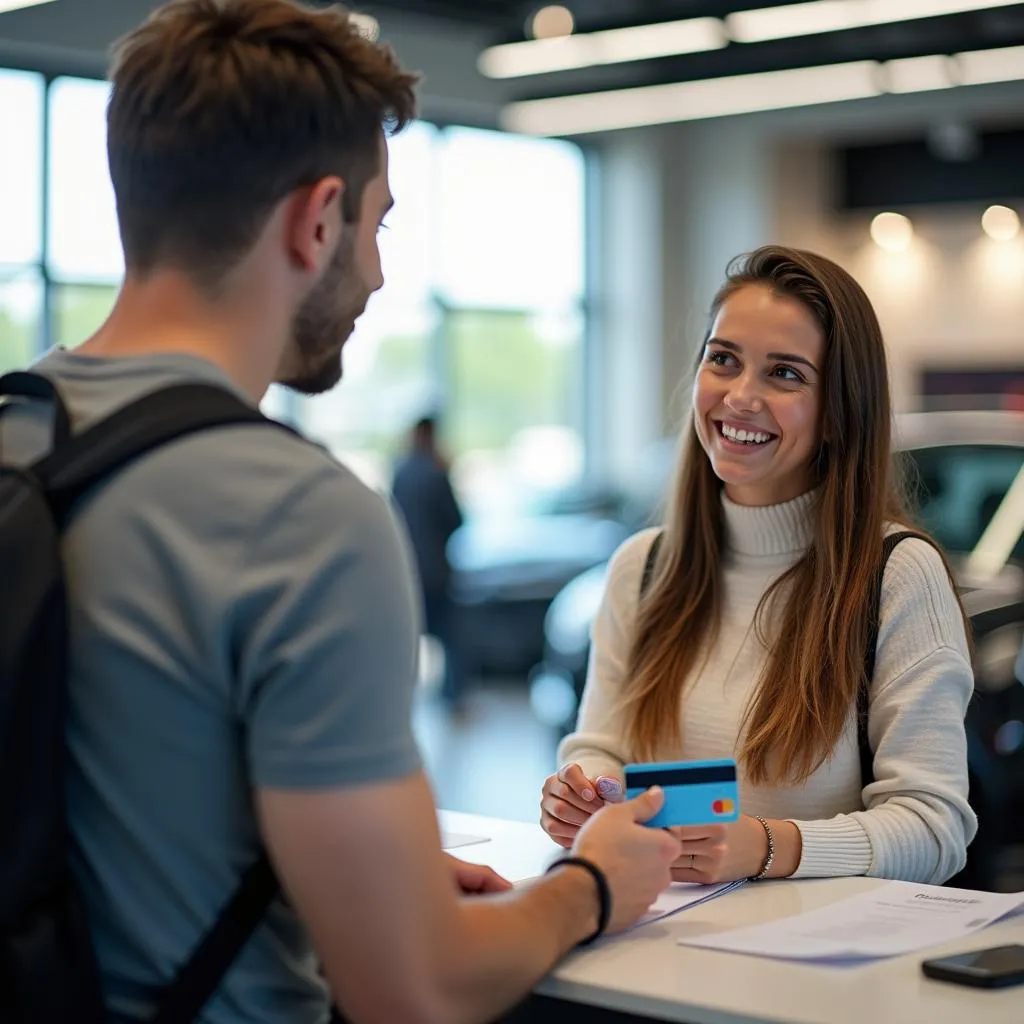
(895, 918)
(680, 895)
(453, 840)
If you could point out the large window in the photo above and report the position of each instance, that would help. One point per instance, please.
(60, 256)
(21, 317)
(21, 219)
(83, 242)
(481, 318)
(512, 213)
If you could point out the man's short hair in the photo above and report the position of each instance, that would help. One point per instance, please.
(221, 108)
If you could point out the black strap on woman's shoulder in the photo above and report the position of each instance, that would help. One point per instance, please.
(867, 755)
(652, 561)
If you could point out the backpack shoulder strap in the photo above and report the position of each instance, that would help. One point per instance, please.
(651, 563)
(36, 387)
(132, 431)
(867, 755)
(210, 961)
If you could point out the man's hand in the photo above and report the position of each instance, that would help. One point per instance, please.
(476, 879)
(635, 858)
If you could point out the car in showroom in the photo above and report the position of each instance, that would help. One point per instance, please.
(507, 568)
(967, 469)
(506, 571)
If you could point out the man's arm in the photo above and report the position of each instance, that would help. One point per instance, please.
(326, 640)
(364, 869)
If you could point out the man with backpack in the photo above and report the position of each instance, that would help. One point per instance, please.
(208, 635)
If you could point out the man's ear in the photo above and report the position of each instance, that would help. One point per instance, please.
(314, 223)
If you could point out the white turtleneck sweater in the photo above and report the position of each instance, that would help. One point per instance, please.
(917, 822)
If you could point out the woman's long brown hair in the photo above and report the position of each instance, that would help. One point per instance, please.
(819, 624)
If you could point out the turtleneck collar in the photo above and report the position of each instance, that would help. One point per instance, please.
(769, 530)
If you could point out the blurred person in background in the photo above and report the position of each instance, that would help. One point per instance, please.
(423, 492)
(751, 638)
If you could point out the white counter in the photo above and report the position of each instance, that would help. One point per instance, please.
(646, 973)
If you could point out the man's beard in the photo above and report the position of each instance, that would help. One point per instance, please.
(324, 322)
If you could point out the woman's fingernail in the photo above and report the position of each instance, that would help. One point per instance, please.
(588, 794)
(608, 787)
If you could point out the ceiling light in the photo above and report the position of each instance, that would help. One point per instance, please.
(551, 22)
(614, 46)
(980, 67)
(920, 74)
(892, 232)
(786, 22)
(1001, 223)
(691, 101)
(15, 5)
(745, 94)
(556, 49)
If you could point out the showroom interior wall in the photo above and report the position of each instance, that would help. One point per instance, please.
(732, 183)
(954, 300)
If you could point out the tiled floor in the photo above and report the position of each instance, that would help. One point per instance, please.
(491, 759)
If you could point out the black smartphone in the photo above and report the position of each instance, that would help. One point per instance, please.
(996, 967)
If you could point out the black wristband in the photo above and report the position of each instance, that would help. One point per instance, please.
(604, 894)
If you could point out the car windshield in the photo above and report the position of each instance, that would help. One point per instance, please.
(961, 487)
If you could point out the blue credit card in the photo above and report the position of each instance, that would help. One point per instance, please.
(696, 792)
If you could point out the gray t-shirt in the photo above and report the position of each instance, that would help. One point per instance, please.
(241, 614)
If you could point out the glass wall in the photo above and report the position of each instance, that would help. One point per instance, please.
(481, 318)
(60, 257)
(21, 216)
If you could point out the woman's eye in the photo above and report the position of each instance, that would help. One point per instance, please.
(719, 358)
(787, 373)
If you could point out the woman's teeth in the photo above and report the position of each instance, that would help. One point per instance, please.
(745, 436)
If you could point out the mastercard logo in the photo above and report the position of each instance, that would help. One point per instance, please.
(723, 807)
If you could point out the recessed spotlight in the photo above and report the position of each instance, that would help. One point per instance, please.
(892, 232)
(551, 22)
(1001, 223)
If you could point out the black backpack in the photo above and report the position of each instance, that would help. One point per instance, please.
(48, 972)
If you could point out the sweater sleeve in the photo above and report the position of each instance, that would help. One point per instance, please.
(599, 743)
(918, 822)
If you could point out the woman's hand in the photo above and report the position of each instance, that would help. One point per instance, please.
(724, 853)
(721, 853)
(569, 798)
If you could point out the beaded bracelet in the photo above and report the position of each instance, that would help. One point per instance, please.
(767, 866)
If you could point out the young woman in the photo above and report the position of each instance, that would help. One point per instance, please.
(751, 638)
